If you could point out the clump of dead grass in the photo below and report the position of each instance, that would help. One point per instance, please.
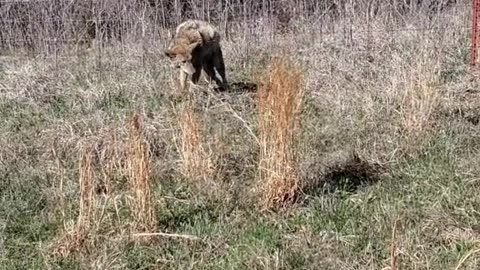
(197, 164)
(139, 177)
(73, 239)
(130, 159)
(420, 100)
(279, 103)
(87, 190)
(420, 97)
(111, 162)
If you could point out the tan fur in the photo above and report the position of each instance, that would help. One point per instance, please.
(196, 46)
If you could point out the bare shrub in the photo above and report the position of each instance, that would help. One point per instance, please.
(46, 26)
(279, 102)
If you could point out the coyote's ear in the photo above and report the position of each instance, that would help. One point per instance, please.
(192, 46)
(169, 53)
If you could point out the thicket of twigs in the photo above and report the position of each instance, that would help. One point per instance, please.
(47, 25)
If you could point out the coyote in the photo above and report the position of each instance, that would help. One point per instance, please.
(196, 46)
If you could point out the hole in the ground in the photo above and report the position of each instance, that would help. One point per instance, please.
(240, 87)
(346, 175)
(469, 115)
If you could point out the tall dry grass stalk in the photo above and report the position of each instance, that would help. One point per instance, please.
(74, 238)
(196, 163)
(139, 177)
(420, 99)
(279, 103)
(87, 191)
(112, 161)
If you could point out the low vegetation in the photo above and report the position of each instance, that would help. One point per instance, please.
(343, 143)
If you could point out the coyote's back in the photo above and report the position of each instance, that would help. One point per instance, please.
(207, 31)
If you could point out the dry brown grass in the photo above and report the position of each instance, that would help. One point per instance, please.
(420, 99)
(366, 94)
(196, 162)
(111, 163)
(279, 102)
(393, 247)
(139, 178)
(87, 191)
(72, 239)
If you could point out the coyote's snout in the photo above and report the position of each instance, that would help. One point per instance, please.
(196, 46)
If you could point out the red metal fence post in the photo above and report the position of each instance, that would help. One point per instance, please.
(473, 50)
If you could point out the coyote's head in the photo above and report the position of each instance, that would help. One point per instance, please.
(180, 56)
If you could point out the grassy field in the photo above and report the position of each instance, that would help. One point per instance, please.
(385, 155)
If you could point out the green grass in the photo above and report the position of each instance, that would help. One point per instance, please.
(425, 194)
